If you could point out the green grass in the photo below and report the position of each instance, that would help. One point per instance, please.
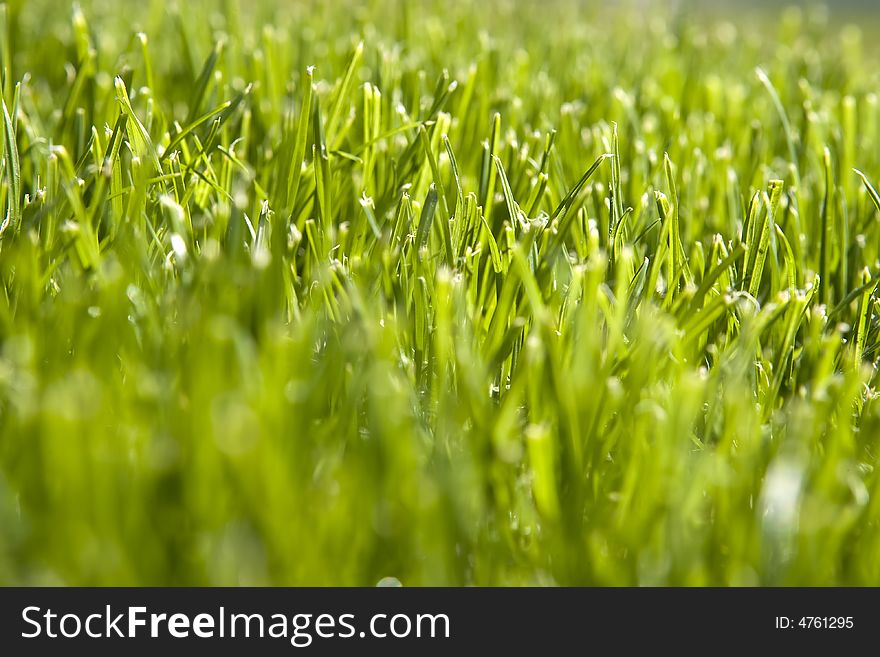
(458, 293)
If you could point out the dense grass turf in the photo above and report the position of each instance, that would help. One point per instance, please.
(505, 293)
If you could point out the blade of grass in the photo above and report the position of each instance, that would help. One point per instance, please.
(13, 174)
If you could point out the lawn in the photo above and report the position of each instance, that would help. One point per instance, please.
(494, 293)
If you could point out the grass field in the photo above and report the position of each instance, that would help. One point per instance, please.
(458, 293)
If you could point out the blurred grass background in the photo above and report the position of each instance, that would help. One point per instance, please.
(339, 417)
